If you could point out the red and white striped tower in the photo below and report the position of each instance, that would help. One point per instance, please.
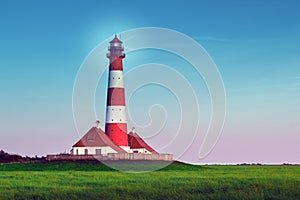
(116, 126)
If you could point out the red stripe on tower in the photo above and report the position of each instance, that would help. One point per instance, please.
(116, 126)
(115, 97)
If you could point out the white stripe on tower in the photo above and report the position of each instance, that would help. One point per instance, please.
(116, 79)
(115, 114)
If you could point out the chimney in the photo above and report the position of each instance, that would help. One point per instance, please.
(133, 130)
(97, 124)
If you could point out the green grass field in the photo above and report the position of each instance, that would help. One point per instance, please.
(177, 181)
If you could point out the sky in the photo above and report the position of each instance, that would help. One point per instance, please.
(254, 44)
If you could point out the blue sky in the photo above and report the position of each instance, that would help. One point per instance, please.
(255, 45)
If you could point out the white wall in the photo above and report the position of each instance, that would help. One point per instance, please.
(140, 150)
(92, 150)
(126, 148)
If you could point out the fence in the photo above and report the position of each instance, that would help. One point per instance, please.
(111, 156)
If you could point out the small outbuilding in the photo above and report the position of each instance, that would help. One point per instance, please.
(138, 145)
(95, 142)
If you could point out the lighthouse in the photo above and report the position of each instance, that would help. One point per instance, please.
(116, 125)
(114, 143)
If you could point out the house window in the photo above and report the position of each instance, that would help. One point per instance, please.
(76, 151)
(135, 151)
(86, 152)
(98, 151)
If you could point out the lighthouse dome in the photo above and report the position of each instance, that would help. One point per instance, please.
(115, 41)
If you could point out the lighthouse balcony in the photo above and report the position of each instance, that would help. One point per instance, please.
(115, 54)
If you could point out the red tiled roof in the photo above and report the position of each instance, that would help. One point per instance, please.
(95, 137)
(136, 142)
